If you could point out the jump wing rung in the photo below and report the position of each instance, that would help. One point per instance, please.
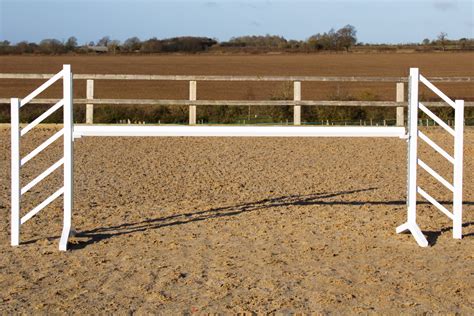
(435, 203)
(436, 175)
(41, 88)
(40, 118)
(440, 150)
(433, 88)
(436, 119)
(40, 148)
(46, 173)
(42, 205)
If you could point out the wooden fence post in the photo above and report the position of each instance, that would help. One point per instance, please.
(90, 107)
(192, 97)
(400, 98)
(297, 97)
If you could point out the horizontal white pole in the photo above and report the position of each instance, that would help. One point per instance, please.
(238, 131)
(436, 175)
(46, 173)
(40, 148)
(434, 202)
(436, 119)
(41, 88)
(42, 205)
(437, 91)
(440, 150)
(40, 118)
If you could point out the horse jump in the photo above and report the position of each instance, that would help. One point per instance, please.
(70, 131)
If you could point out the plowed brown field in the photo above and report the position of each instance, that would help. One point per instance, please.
(378, 65)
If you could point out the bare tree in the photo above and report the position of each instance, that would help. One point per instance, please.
(104, 41)
(442, 37)
(153, 45)
(132, 44)
(346, 37)
(71, 44)
(113, 46)
(51, 46)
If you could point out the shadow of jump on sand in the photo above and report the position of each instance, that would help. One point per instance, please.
(102, 233)
(432, 236)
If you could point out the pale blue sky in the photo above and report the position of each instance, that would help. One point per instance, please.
(376, 21)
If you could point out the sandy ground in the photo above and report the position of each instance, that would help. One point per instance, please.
(198, 225)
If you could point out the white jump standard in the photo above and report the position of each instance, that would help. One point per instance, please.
(70, 131)
(414, 161)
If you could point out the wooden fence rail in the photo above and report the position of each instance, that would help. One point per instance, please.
(231, 78)
(237, 102)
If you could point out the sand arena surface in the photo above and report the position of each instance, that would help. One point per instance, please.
(178, 225)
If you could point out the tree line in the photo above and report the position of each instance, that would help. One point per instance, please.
(343, 39)
(109, 46)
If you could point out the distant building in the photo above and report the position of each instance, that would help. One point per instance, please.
(98, 49)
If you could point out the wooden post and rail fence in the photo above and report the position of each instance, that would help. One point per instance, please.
(193, 101)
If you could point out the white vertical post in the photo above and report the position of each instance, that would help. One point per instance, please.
(412, 144)
(15, 172)
(297, 97)
(411, 224)
(192, 97)
(458, 166)
(68, 156)
(400, 98)
(90, 107)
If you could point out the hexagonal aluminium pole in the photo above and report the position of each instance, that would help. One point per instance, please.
(411, 224)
